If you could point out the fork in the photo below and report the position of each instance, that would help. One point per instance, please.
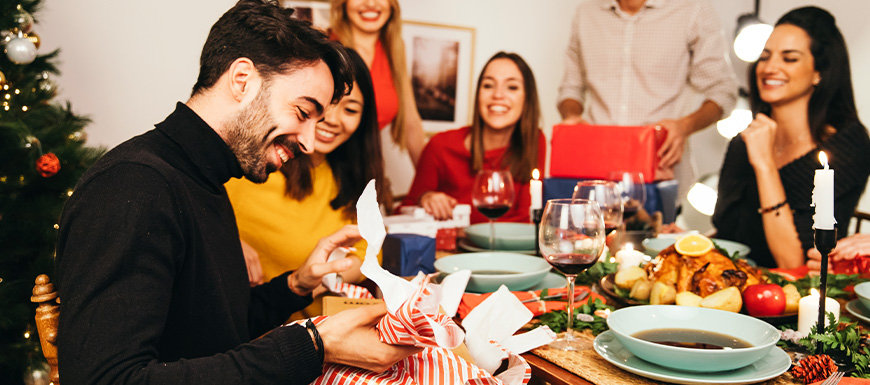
(579, 297)
(834, 379)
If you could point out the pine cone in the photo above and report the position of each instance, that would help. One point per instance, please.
(814, 368)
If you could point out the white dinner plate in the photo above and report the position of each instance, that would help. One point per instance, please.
(857, 309)
(773, 364)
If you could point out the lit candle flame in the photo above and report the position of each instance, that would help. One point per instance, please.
(823, 159)
(536, 174)
(814, 292)
(628, 246)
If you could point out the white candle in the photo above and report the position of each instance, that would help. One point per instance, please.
(628, 257)
(536, 188)
(808, 311)
(823, 196)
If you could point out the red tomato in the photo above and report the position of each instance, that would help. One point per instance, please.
(764, 299)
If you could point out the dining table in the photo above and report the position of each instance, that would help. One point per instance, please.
(585, 366)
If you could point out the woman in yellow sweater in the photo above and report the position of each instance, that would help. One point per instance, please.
(281, 220)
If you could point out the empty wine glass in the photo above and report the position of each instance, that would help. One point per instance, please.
(633, 191)
(493, 195)
(608, 195)
(571, 238)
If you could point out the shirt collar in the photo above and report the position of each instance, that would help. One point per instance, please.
(207, 151)
(612, 4)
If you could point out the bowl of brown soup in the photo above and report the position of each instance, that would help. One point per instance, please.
(692, 339)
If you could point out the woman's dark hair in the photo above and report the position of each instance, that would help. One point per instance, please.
(354, 162)
(832, 101)
(265, 32)
(522, 152)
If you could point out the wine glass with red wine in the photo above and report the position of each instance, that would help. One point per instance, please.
(608, 195)
(633, 191)
(571, 238)
(493, 195)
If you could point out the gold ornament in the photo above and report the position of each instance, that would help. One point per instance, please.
(32, 36)
(2, 78)
(23, 19)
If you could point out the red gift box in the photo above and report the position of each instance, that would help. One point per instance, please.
(445, 239)
(592, 152)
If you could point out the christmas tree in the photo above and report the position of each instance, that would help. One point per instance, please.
(42, 155)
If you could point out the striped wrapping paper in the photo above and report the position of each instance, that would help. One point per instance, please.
(432, 366)
(419, 322)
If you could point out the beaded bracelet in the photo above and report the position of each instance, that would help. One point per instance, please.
(318, 342)
(776, 207)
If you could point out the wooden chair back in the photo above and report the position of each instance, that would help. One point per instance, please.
(47, 314)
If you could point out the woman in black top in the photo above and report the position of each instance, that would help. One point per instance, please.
(801, 95)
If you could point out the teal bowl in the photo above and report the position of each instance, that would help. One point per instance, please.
(489, 270)
(653, 246)
(863, 291)
(508, 236)
(628, 321)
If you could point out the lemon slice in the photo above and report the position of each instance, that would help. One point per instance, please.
(693, 245)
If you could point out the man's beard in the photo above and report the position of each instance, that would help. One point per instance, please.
(247, 135)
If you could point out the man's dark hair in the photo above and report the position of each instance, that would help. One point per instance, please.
(265, 32)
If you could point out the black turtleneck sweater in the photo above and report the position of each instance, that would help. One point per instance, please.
(151, 277)
(736, 216)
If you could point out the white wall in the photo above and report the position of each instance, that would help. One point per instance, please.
(125, 63)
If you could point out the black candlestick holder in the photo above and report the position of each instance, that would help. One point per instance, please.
(825, 240)
(536, 215)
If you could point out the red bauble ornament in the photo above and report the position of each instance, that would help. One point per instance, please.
(47, 165)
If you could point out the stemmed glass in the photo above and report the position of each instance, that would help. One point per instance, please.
(571, 238)
(608, 195)
(633, 191)
(493, 195)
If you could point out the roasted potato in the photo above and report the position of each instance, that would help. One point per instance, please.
(728, 299)
(662, 294)
(687, 298)
(626, 278)
(792, 296)
(641, 289)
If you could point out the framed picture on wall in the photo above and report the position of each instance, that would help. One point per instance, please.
(440, 64)
(315, 12)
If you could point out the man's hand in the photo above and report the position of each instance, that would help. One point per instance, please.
(438, 204)
(350, 338)
(308, 277)
(572, 120)
(759, 138)
(671, 151)
(853, 246)
(252, 261)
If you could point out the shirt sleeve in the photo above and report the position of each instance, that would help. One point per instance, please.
(119, 250)
(573, 86)
(427, 177)
(710, 70)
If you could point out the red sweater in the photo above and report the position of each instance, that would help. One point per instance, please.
(445, 166)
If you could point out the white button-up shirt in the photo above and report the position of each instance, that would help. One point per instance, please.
(632, 69)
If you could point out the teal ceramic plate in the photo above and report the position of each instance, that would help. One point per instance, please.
(772, 365)
(862, 290)
(653, 246)
(466, 245)
(508, 236)
(489, 270)
(857, 309)
(551, 281)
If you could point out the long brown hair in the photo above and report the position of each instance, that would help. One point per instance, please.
(522, 152)
(354, 162)
(391, 38)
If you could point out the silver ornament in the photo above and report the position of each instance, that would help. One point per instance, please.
(7, 35)
(21, 50)
(46, 86)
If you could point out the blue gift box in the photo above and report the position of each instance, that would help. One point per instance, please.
(406, 254)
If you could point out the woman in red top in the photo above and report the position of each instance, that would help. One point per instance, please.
(504, 134)
(374, 29)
